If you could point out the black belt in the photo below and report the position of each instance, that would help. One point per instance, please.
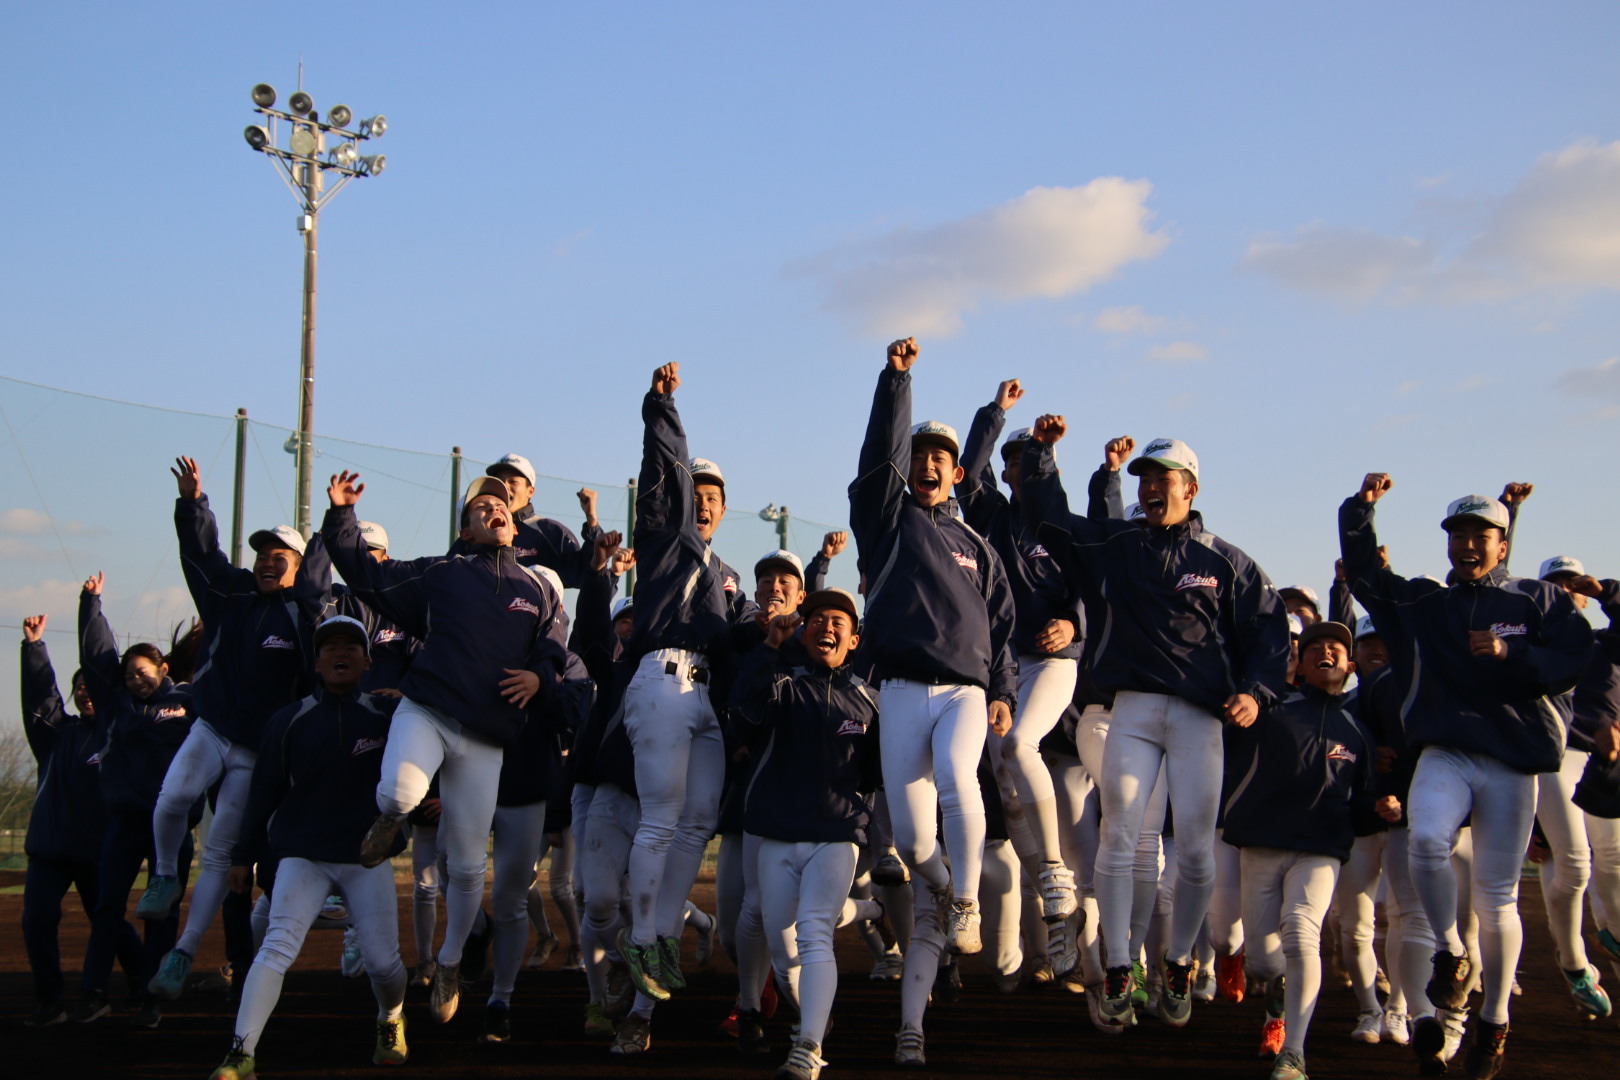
(697, 674)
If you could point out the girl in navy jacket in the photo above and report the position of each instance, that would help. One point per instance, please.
(146, 716)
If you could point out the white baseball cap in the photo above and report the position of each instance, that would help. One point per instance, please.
(623, 606)
(1303, 590)
(1365, 628)
(1171, 453)
(842, 599)
(705, 471)
(1295, 626)
(936, 431)
(1134, 512)
(487, 485)
(1487, 509)
(1016, 440)
(780, 558)
(516, 462)
(1562, 564)
(281, 536)
(375, 535)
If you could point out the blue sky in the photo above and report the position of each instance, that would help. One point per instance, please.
(1311, 241)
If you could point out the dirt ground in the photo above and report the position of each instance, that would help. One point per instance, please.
(322, 1027)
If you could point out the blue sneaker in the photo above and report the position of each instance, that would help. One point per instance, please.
(170, 981)
(1610, 945)
(158, 899)
(1584, 988)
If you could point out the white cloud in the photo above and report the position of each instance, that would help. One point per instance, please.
(21, 521)
(569, 244)
(1353, 264)
(1558, 228)
(1178, 352)
(1049, 242)
(51, 595)
(1128, 320)
(1599, 381)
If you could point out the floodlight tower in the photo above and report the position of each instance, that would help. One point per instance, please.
(303, 164)
(780, 517)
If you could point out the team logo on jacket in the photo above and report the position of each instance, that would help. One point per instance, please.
(93, 759)
(731, 583)
(363, 745)
(1197, 581)
(385, 637)
(520, 604)
(525, 553)
(1340, 752)
(852, 726)
(1503, 629)
(168, 712)
(276, 642)
(967, 562)
(1039, 552)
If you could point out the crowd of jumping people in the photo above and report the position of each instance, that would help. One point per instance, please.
(1098, 745)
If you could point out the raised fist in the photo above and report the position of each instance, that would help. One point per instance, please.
(903, 353)
(1374, 485)
(667, 379)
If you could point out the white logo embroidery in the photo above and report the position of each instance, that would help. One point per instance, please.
(524, 552)
(966, 561)
(1503, 629)
(852, 726)
(731, 583)
(171, 712)
(274, 642)
(1340, 752)
(520, 604)
(1197, 581)
(362, 745)
(386, 636)
(1039, 552)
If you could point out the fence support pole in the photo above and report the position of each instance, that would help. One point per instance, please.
(630, 532)
(237, 491)
(455, 493)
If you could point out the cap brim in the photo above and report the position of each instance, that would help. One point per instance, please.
(1447, 524)
(265, 538)
(938, 440)
(828, 598)
(1135, 467)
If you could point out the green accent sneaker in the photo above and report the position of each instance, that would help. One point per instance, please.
(391, 1048)
(1289, 1066)
(170, 981)
(238, 1064)
(1139, 994)
(159, 897)
(669, 955)
(646, 966)
(597, 1024)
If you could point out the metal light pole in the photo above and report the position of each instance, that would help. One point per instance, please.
(303, 165)
(780, 516)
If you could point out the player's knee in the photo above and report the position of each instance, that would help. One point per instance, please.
(392, 803)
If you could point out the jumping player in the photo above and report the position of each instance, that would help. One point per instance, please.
(689, 604)
(309, 808)
(493, 636)
(939, 623)
(256, 660)
(1493, 660)
(1193, 636)
(805, 800)
(1048, 634)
